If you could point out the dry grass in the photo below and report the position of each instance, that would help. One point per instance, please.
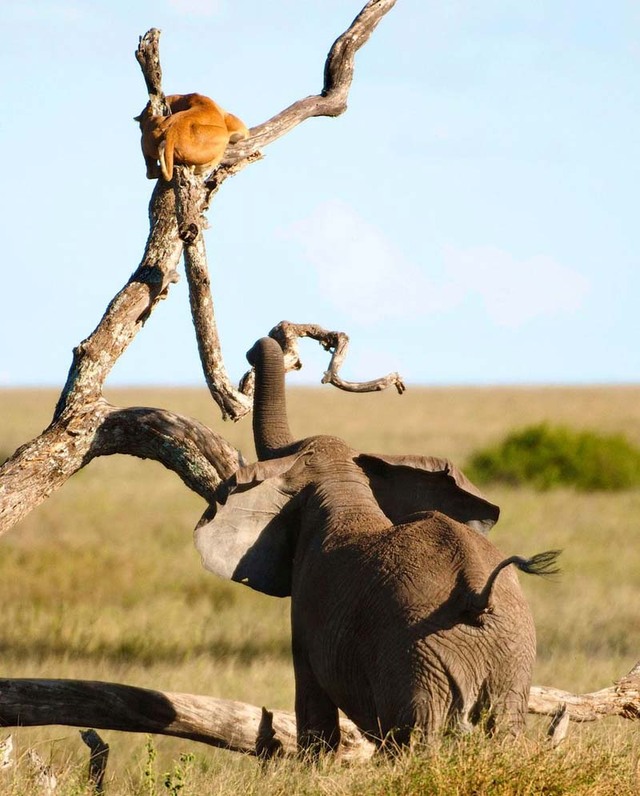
(103, 582)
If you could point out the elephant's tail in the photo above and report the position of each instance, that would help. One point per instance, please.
(544, 564)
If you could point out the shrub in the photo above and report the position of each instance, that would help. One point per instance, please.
(546, 456)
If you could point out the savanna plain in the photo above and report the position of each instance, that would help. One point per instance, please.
(103, 582)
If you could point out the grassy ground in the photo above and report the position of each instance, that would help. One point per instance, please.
(103, 582)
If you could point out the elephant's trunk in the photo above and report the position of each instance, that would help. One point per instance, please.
(540, 564)
(270, 424)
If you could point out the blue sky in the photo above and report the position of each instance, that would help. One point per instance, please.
(472, 218)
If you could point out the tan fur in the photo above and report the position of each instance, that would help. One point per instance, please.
(196, 134)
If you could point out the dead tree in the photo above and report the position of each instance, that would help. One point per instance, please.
(85, 425)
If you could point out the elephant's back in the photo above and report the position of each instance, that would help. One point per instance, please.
(420, 574)
(435, 559)
(454, 663)
(392, 638)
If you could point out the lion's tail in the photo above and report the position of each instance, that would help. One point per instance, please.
(165, 154)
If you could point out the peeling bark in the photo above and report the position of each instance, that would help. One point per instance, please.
(199, 456)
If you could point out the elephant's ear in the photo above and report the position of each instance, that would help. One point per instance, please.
(248, 536)
(405, 485)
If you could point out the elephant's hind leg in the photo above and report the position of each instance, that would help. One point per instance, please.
(423, 713)
(502, 710)
(509, 715)
(318, 729)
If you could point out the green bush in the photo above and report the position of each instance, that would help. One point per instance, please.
(545, 456)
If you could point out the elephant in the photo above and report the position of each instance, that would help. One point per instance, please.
(403, 614)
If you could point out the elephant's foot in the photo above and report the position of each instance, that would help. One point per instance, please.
(316, 716)
(315, 744)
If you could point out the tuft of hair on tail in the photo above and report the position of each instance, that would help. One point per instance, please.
(545, 564)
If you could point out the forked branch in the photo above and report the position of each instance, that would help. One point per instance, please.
(193, 195)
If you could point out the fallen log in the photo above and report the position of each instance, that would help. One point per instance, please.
(238, 726)
(223, 723)
(620, 699)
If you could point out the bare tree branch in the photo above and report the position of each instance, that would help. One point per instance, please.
(199, 456)
(147, 55)
(43, 465)
(332, 101)
(337, 343)
(94, 357)
(190, 198)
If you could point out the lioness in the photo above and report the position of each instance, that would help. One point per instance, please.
(196, 134)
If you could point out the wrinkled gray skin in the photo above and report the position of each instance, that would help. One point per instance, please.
(397, 618)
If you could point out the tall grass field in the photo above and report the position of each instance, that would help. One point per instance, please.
(103, 582)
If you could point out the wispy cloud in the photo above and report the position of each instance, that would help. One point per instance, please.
(514, 291)
(362, 273)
